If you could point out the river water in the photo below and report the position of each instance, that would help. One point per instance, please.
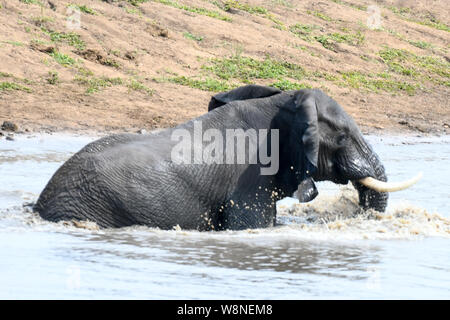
(320, 250)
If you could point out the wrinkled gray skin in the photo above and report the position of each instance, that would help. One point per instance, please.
(129, 179)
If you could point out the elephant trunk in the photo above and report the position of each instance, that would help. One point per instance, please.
(369, 198)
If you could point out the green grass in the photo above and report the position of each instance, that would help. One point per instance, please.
(32, 2)
(256, 10)
(53, 78)
(62, 58)
(329, 41)
(139, 86)
(201, 11)
(205, 84)
(70, 38)
(6, 75)
(191, 36)
(14, 43)
(283, 3)
(420, 44)
(83, 8)
(11, 86)
(358, 80)
(247, 69)
(303, 31)
(406, 14)
(407, 63)
(289, 85)
(136, 3)
(94, 84)
(39, 21)
(319, 15)
(133, 11)
(352, 5)
(434, 24)
(234, 4)
(222, 74)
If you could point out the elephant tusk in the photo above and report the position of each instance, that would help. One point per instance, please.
(381, 186)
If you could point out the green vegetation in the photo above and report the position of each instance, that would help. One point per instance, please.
(10, 86)
(39, 21)
(139, 86)
(420, 44)
(417, 43)
(14, 43)
(246, 69)
(352, 5)
(32, 2)
(136, 3)
(376, 83)
(83, 8)
(430, 21)
(303, 31)
(191, 36)
(233, 71)
(70, 38)
(421, 68)
(62, 58)
(319, 15)
(235, 4)
(283, 3)
(206, 84)
(53, 77)
(133, 11)
(434, 24)
(6, 75)
(289, 85)
(329, 41)
(229, 4)
(201, 11)
(94, 84)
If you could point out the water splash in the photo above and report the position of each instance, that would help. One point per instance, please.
(328, 217)
(339, 216)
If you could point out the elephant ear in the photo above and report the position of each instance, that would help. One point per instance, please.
(251, 91)
(305, 131)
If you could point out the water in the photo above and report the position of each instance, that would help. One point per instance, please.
(404, 253)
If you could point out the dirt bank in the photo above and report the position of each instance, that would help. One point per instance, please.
(147, 64)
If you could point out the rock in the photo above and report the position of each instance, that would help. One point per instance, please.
(52, 5)
(130, 55)
(96, 56)
(10, 138)
(156, 30)
(42, 47)
(164, 33)
(9, 126)
(142, 131)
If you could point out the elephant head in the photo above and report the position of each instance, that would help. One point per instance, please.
(322, 143)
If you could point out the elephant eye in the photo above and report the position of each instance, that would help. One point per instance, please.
(341, 139)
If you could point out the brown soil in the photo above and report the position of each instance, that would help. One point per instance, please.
(148, 43)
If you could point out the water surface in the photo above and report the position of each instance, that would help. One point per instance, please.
(320, 251)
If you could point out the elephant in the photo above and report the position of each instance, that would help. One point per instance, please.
(145, 179)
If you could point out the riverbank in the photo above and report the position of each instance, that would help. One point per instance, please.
(134, 65)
